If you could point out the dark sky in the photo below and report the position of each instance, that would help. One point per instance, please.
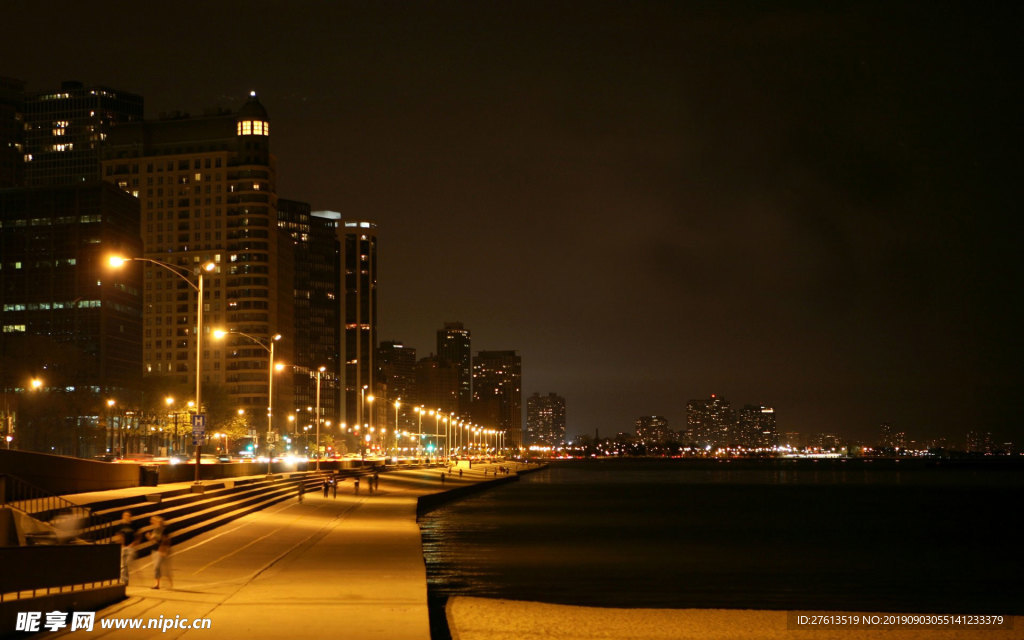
(808, 207)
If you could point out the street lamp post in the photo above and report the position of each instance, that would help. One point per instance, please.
(369, 419)
(398, 403)
(319, 374)
(269, 348)
(117, 262)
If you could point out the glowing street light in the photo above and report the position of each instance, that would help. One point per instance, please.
(271, 367)
(319, 374)
(117, 262)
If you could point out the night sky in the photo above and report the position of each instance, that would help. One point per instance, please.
(807, 207)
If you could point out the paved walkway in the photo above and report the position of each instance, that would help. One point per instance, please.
(354, 562)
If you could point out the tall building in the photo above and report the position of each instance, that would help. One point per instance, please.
(396, 365)
(980, 442)
(12, 132)
(710, 420)
(317, 337)
(453, 347)
(207, 190)
(55, 294)
(653, 430)
(359, 277)
(755, 427)
(497, 394)
(545, 420)
(67, 130)
(437, 384)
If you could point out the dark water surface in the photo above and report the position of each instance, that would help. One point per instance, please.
(855, 535)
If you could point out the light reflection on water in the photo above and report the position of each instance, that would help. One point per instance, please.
(661, 534)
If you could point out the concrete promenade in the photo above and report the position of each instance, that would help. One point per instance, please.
(350, 566)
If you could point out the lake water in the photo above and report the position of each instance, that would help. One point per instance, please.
(854, 535)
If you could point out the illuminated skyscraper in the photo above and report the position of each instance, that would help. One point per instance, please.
(55, 293)
(437, 384)
(359, 280)
(317, 303)
(710, 420)
(497, 394)
(396, 365)
(67, 130)
(545, 420)
(755, 427)
(652, 430)
(208, 192)
(453, 347)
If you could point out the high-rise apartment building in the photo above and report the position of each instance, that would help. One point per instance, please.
(207, 190)
(437, 385)
(710, 420)
(755, 427)
(67, 130)
(396, 366)
(55, 293)
(545, 420)
(317, 337)
(653, 430)
(497, 394)
(453, 347)
(359, 282)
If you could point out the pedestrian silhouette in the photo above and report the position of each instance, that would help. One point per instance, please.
(334, 488)
(326, 486)
(302, 490)
(162, 561)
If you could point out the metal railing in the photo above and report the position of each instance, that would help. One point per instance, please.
(70, 522)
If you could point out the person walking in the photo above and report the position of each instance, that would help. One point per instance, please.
(125, 528)
(326, 486)
(334, 488)
(376, 481)
(302, 490)
(162, 562)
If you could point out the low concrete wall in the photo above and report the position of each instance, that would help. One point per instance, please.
(427, 503)
(64, 474)
(185, 472)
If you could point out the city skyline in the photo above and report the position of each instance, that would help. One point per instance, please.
(802, 208)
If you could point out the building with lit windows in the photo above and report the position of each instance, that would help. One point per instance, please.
(207, 190)
(497, 394)
(710, 421)
(66, 131)
(653, 430)
(54, 292)
(755, 427)
(358, 241)
(317, 336)
(453, 347)
(396, 368)
(437, 385)
(545, 420)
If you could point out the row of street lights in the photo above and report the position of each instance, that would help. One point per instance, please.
(451, 421)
